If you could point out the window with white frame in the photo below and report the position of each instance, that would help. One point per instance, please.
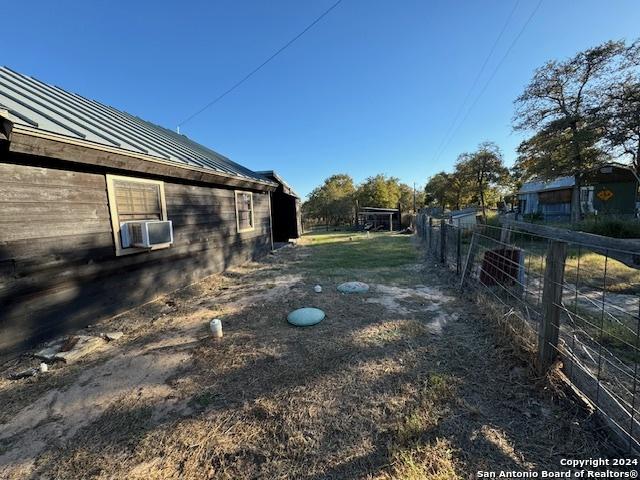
(133, 198)
(244, 211)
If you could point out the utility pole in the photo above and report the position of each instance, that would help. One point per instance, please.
(414, 197)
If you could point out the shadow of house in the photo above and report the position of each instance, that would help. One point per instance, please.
(72, 173)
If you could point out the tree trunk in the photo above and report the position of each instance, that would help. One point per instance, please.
(576, 213)
(484, 209)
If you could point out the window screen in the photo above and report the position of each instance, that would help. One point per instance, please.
(137, 201)
(244, 209)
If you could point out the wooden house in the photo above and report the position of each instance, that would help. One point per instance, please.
(101, 211)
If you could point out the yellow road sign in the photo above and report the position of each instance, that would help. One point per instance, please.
(605, 195)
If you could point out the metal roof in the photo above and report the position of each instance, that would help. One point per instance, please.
(559, 183)
(273, 175)
(464, 212)
(32, 103)
(373, 210)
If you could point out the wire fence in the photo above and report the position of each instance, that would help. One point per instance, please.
(577, 300)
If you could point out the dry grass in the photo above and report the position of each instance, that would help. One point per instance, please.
(432, 461)
(371, 392)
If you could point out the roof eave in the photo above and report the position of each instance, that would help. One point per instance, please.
(27, 140)
(288, 189)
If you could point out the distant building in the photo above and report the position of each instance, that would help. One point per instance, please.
(550, 200)
(611, 189)
(463, 218)
(374, 218)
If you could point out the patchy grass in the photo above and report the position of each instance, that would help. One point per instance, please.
(371, 392)
(587, 269)
(377, 257)
(619, 278)
(433, 461)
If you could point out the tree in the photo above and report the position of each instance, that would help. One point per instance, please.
(461, 191)
(483, 170)
(621, 119)
(437, 190)
(379, 191)
(333, 201)
(407, 198)
(560, 100)
(547, 155)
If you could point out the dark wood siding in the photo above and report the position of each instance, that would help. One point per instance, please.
(58, 269)
(555, 196)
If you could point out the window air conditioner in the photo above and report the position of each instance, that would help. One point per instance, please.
(146, 233)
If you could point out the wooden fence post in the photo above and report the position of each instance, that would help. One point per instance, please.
(551, 300)
(430, 230)
(471, 257)
(443, 241)
(425, 232)
(459, 251)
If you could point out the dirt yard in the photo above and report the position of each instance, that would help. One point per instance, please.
(410, 380)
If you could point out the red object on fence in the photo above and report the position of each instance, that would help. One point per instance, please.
(500, 266)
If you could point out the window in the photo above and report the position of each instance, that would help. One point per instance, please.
(134, 199)
(244, 211)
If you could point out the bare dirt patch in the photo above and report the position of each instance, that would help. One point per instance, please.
(405, 381)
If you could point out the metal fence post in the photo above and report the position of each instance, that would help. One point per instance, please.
(443, 241)
(471, 257)
(551, 301)
(505, 235)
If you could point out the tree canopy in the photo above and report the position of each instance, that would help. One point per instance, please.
(475, 180)
(620, 117)
(379, 191)
(580, 111)
(333, 201)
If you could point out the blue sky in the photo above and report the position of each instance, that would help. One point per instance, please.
(372, 88)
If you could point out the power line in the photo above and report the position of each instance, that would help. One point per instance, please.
(493, 74)
(475, 81)
(252, 72)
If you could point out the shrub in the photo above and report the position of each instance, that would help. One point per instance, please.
(611, 227)
(533, 217)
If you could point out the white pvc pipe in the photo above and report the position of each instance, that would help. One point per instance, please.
(216, 328)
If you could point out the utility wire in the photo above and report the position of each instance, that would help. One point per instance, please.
(475, 81)
(495, 71)
(252, 72)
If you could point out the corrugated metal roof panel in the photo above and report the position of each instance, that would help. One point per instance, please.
(555, 184)
(464, 212)
(33, 103)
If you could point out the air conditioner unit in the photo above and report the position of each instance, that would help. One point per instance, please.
(146, 233)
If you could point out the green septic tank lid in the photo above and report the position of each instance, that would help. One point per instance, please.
(353, 287)
(305, 317)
